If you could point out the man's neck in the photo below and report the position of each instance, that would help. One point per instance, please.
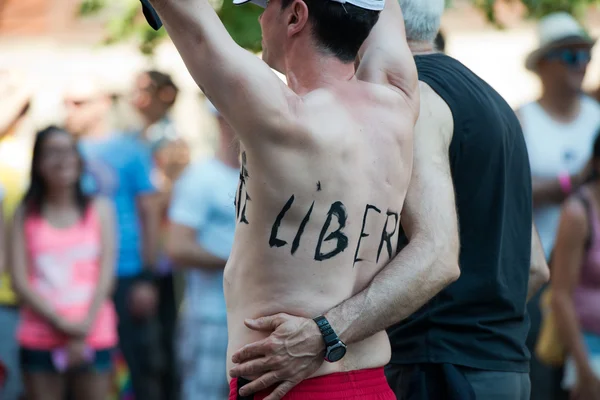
(308, 70)
(421, 47)
(564, 106)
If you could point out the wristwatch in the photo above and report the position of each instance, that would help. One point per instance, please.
(335, 349)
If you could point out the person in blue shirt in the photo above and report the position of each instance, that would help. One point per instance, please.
(118, 167)
(154, 94)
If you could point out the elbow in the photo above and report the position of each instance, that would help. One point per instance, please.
(451, 268)
(540, 273)
(174, 252)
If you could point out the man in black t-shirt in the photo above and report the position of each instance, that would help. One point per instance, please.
(466, 340)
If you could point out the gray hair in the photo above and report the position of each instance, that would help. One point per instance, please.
(422, 18)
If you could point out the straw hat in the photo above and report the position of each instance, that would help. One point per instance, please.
(15, 93)
(556, 30)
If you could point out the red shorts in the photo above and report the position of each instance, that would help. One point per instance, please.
(368, 384)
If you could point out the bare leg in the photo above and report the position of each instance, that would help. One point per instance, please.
(91, 385)
(44, 386)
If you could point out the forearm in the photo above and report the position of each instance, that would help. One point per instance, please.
(194, 256)
(150, 236)
(548, 190)
(570, 331)
(103, 292)
(37, 303)
(409, 281)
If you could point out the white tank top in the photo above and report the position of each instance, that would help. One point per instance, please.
(556, 147)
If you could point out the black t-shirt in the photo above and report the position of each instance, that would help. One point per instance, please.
(479, 321)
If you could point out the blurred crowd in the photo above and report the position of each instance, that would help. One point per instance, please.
(113, 242)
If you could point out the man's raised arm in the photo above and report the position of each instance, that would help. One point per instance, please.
(240, 85)
(424, 267)
(385, 57)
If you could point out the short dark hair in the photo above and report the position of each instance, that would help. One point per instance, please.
(160, 81)
(340, 29)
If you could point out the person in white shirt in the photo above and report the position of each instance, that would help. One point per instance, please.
(561, 125)
(559, 129)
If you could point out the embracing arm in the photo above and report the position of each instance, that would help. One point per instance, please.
(430, 260)
(104, 287)
(566, 267)
(240, 85)
(539, 273)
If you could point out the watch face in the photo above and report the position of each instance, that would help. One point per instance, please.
(336, 353)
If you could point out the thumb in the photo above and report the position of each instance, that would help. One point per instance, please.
(269, 323)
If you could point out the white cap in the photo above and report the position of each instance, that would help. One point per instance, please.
(555, 30)
(373, 5)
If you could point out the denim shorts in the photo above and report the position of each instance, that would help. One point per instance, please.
(41, 361)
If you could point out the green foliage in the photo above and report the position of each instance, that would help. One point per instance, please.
(540, 8)
(127, 22)
(242, 21)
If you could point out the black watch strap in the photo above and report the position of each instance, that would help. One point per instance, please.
(329, 336)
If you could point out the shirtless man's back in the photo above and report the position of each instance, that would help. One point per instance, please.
(326, 162)
(318, 214)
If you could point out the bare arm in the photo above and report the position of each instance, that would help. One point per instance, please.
(3, 238)
(107, 258)
(240, 85)
(548, 190)
(184, 249)
(149, 205)
(539, 273)
(430, 260)
(18, 271)
(385, 57)
(566, 267)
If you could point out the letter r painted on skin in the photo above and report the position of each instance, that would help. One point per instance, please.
(362, 230)
(387, 237)
(338, 210)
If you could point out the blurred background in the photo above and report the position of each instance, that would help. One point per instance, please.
(51, 40)
(66, 57)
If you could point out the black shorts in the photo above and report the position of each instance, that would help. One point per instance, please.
(41, 361)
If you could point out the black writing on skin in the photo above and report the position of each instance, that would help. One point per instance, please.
(242, 193)
(332, 230)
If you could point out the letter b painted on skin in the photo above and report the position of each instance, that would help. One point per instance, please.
(338, 210)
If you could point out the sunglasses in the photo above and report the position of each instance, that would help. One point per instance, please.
(571, 58)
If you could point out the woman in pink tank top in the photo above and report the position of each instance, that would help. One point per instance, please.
(576, 285)
(63, 268)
